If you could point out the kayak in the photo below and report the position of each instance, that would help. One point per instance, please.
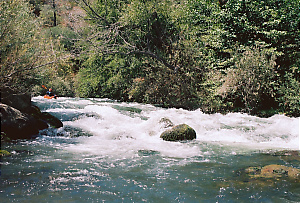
(49, 97)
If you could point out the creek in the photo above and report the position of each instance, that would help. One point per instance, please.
(110, 151)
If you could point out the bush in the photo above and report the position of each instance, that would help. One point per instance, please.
(290, 97)
(252, 81)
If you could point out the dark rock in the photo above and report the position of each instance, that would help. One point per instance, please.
(21, 120)
(51, 120)
(20, 101)
(179, 132)
(18, 125)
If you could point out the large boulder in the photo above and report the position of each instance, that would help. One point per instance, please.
(18, 125)
(178, 133)
(20, 101)
(51, 120)
(21, 120)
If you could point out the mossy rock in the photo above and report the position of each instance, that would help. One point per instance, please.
(179, 133)
(273, 171)
(4, 153)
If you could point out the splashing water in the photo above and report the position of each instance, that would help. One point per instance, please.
(112, 151)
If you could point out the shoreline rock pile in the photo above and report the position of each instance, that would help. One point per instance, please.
(20, 119)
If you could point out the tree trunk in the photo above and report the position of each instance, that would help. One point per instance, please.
(54, 13)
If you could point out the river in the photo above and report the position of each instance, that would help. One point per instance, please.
(110, 151)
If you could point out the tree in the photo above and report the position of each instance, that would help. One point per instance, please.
(155, 34)
(24, 48)
(274, 22)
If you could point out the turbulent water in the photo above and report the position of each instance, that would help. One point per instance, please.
(109, 151)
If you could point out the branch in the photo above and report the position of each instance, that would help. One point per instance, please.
(109, 41)
(147, 53)
(94, 12)
(35, 67)
(154, 56)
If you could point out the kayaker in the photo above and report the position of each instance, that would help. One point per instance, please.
(50, 93)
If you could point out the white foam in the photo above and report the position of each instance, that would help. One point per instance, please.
(119, 134)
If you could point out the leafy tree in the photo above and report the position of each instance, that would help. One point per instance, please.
(275, 22)
(217, 55)
(22, 50)
(155, 34)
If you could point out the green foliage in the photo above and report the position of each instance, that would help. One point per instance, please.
(66, 36)
(192, 54)
(252, 80)
(289, 91)
(275, 22)
(21, 45)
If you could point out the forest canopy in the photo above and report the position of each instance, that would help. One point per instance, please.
(219, 56)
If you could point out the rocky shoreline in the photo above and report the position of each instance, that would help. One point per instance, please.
(22, 120)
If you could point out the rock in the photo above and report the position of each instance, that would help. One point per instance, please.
(273, 171)
(179, 132)
(166, 123)
(288, 155)
(18, 125)
(20, 101)
(4, 153)
(51, 120)
(21, 120)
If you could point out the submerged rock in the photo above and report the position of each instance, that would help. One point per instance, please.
(288, 155)
(4, 153)
(178, 133)
(166, 123)
(273, 171)
(71, 131)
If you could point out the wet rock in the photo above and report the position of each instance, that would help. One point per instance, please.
(18, 125)
(166, 123)
(20, 101)
(178, 133)
(21, 120)
(51, 120)
(288, 155)
(4, 153)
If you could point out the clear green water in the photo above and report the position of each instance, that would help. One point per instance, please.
(111, 152)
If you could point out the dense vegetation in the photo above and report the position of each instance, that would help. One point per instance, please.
(220, 56)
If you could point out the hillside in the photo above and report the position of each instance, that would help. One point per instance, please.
(220, 56)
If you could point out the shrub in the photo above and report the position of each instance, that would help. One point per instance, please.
(290, 98)
(252, 81)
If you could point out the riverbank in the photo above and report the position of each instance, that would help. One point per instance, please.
(20, 119)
